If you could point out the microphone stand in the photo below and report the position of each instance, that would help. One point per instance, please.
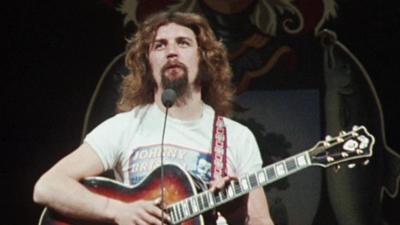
(168, 99)
(162, 165)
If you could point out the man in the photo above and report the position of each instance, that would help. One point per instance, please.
(169, 50)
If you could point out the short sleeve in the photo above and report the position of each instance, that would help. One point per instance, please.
(248, 153)
(106, 140)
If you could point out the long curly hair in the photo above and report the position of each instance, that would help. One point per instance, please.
(214, 77)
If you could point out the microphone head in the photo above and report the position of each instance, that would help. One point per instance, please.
(168, 97)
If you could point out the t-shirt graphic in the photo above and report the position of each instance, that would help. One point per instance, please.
(145, 159)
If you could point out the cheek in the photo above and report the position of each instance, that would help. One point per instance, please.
(194, 65)
(155, 65)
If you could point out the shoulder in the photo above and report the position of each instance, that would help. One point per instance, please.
(126, 119)
(232, 126)
(134, 114)
(235, 127)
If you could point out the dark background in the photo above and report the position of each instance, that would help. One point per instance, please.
(57, 50)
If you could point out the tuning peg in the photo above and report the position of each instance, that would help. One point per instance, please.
(326, 144)
(359, 151)
(328, 138)
(345, 155)
(330, 159)
(342, 133)
(355, 127)
(352, 165)
(366, 162)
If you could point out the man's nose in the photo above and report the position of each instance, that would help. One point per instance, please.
(172, 51)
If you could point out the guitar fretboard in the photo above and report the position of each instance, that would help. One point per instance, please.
(197, 204)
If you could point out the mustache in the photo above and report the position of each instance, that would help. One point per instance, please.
(172, 64)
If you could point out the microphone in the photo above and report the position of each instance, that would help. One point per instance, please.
(168, 99)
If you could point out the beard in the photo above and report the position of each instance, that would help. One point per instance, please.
(177, 82)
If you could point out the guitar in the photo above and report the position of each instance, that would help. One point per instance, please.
(187, 199)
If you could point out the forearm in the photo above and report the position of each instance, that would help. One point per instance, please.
(67, 196)
(258, 212)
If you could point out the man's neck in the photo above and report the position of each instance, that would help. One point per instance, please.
(185, 107)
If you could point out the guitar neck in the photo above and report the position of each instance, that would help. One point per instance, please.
(197, 204)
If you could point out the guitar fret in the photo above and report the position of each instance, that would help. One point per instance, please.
(290, 164)
(223, 195)
(253, 180)
(211, 198)
(217, 199)
(181, 210)
(237, 188)
(189, 204)
(177, 211)
(194, 205)
(171, 212)
(261, 177)
(200, 202)
(244, 184)
(230, 190)
(301, 160)
(271, 173)
(280, 169)
(185, 209)
(204, 200)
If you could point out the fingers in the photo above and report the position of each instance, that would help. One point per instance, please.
(156, 212)
(160, 206)
(157, 201)
(148, 212)
(220, 184)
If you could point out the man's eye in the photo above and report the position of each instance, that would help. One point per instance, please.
(184, 43)
(158, 46)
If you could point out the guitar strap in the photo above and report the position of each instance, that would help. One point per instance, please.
(219, 146)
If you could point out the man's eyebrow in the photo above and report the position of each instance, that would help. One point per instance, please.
(164, 40)
(179, 37)
(183, 38)
(161, 40)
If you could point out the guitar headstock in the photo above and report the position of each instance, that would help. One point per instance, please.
(346, 147)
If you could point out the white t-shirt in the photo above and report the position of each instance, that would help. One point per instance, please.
(130, 144)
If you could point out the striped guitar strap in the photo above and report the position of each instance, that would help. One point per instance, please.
(219, 146)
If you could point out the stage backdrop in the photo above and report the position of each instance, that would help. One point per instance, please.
(295, 84)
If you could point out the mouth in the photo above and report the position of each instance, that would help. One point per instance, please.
(173, 69)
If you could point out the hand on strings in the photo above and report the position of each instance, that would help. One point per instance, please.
(222, 183)
(234, 210)
(141, 212)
